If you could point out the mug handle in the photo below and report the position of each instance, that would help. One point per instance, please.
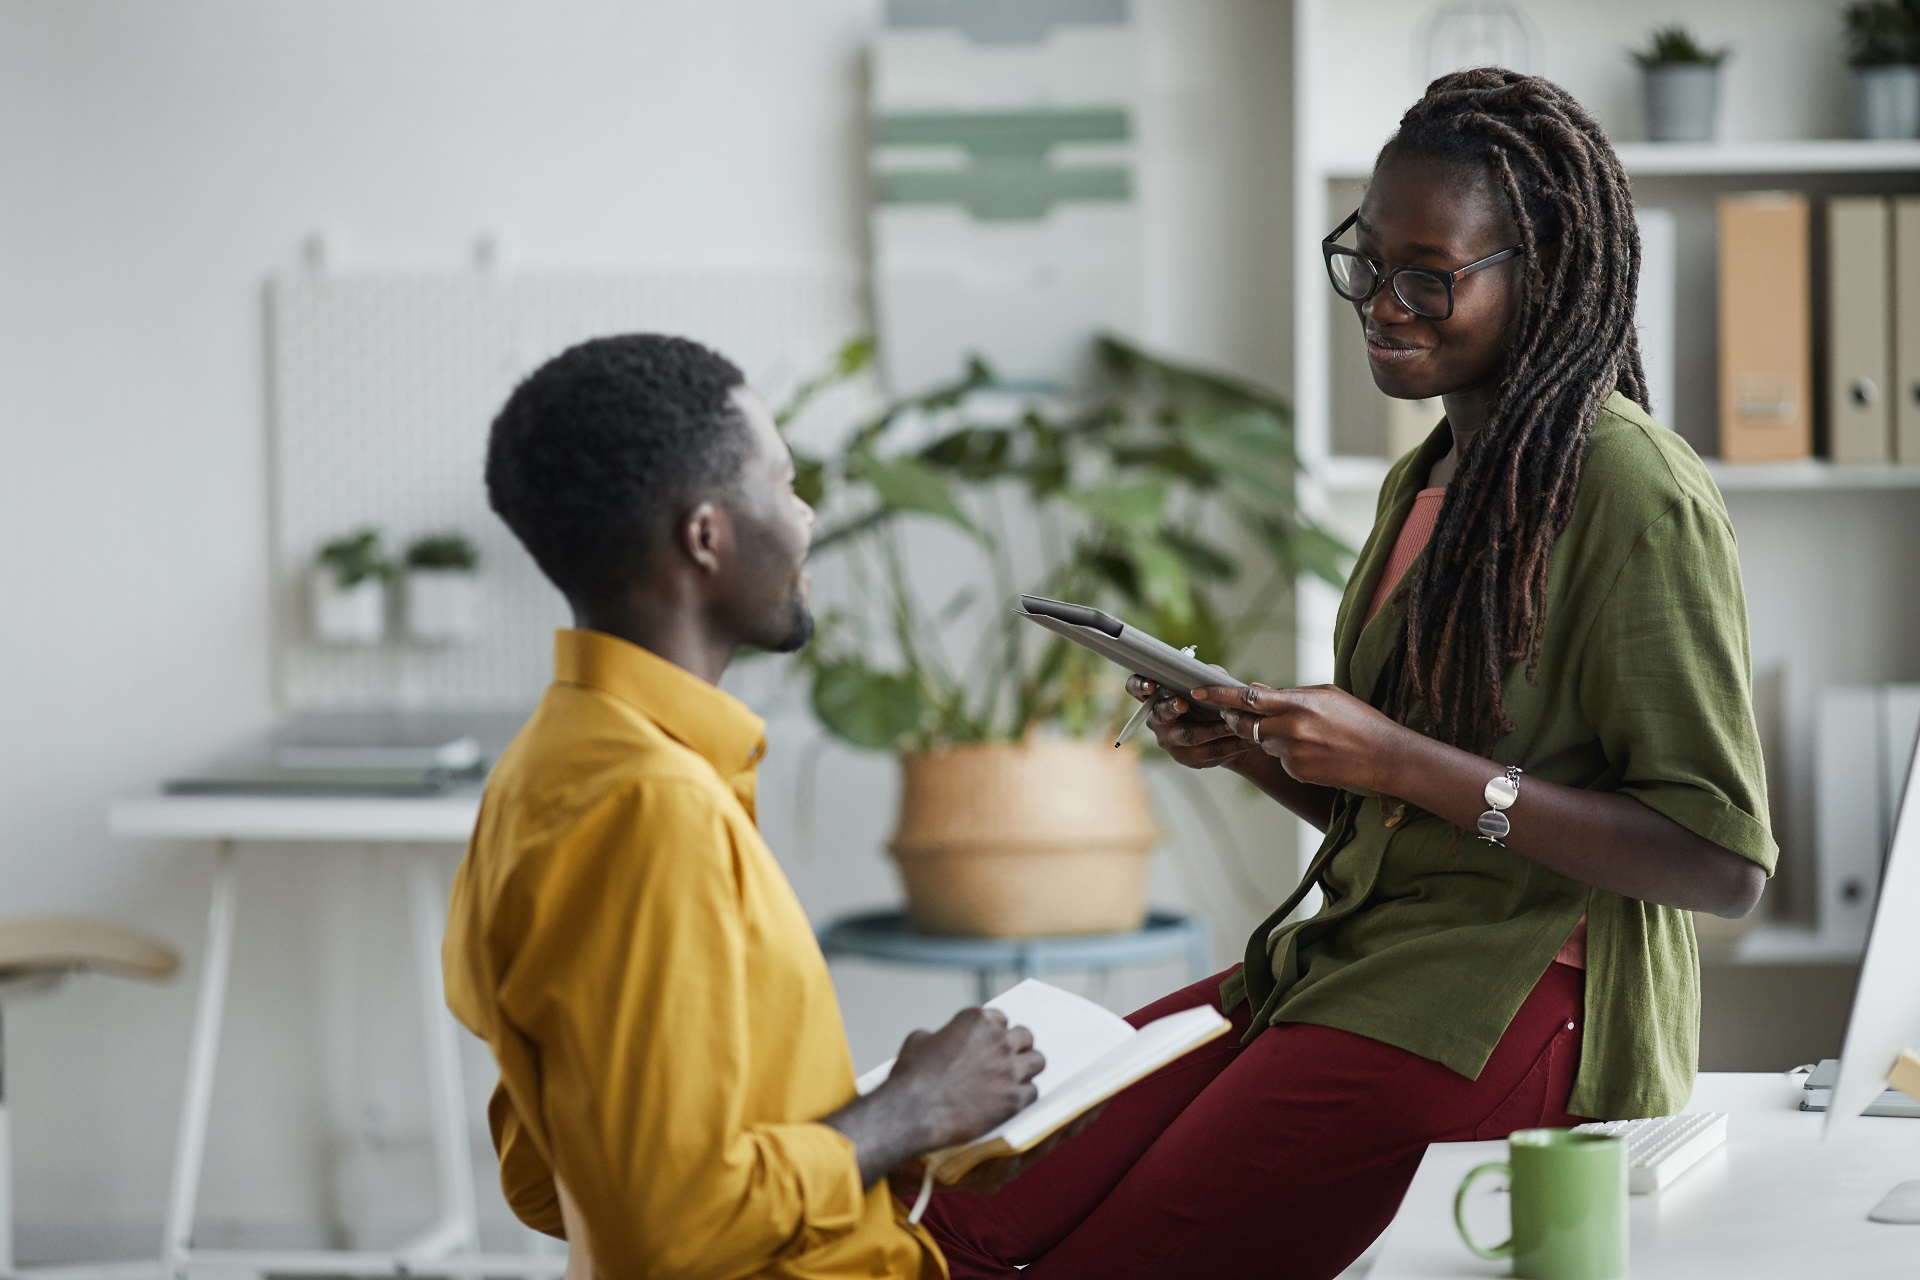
(1505, 1248)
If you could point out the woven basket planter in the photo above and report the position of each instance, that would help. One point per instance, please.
(1030, 839)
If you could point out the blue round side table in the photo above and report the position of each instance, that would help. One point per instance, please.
(887, 937)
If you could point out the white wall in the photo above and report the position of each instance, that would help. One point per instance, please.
(161, 161)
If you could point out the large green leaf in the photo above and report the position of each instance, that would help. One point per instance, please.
(973, 453)
(1204, 560)
(1303, 548)
(868, 708)
(1046, 467)
(1135, 505)
(1169, 459)
(1132, 363)
(1163, 575)
(1251, 449)
(809, 479)
(1201, 628)
(908, 484)
(1114, 568)
(1321, 554)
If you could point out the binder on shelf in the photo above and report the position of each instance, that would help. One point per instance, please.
(1849, 811)
(1906, 329)
(1859, 318)
(1864, 743)
(1765, 328)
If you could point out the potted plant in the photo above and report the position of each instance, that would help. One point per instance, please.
(1165, 496)
(349, 596)
(1680, 79)
(442, 588)
(1883, 48)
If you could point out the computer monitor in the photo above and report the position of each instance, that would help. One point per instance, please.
(1886, 1005)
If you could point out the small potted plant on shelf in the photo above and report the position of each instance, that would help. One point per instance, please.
(1166, 496)
(349, 589)
(1680, 79)
(442, 589)
(1883, 52)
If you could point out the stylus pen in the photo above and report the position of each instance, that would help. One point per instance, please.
(1133, 722)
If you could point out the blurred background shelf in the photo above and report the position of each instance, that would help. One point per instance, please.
(1810, 474)
(1682, 159)
(1780, 943)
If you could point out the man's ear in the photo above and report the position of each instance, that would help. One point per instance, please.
(706, 536)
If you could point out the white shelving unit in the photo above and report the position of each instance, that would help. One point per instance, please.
(1813, 534)
(1734, 159)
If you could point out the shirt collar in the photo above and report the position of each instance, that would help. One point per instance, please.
(700, 716)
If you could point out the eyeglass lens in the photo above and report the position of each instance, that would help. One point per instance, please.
(1421, 292)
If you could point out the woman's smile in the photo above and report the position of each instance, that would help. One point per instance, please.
(1385, 349)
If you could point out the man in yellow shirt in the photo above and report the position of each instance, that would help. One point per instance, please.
(669, 1044)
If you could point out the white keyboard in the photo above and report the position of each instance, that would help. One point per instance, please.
(1664, 1147)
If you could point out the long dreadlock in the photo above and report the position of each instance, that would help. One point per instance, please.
(1479, 603)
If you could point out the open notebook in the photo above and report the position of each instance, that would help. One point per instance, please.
(1091, 1055)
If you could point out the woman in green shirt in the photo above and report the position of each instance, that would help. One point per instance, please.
(1536, 759)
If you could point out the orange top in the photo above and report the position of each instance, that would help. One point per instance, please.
(1412, 540)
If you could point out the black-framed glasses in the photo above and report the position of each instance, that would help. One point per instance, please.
(1425, 291)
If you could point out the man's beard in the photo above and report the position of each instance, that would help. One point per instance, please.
(799, 628)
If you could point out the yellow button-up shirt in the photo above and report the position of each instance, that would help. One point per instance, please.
(665, 1025)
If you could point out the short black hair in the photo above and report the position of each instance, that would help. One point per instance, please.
(598, 449)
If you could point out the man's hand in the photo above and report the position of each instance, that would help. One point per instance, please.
(948, 1086)
(1197, 744)
(968, 1076)
(989, 1176)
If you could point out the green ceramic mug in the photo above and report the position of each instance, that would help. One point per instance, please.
(1569, 1205)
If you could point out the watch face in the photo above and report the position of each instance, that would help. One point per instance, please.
(1493, 824)
(1502, 792)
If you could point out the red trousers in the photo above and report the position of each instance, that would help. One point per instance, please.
(1283, 1158)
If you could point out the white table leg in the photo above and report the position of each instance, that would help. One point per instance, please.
(6, 1166)
(202, 1054)
(458, 1230)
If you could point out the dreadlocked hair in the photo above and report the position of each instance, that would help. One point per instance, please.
(1478, 604)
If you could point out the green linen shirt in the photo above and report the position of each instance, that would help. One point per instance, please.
(1430, 938)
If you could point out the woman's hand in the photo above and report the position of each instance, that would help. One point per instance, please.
(1322, 736)
(1197, 744)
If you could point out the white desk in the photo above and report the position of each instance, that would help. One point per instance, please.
(451, 1246)
(1773, 1202)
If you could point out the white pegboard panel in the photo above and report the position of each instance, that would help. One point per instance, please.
(383, 386)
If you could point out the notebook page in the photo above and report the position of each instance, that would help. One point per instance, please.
(1146, 1051)
(1070, 1031)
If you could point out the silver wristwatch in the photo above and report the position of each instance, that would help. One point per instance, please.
(1500, 794)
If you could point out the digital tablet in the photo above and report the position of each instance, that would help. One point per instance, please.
(1129, 648)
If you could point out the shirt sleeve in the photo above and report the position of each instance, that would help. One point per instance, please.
(525, 1179)
(1666, 678)
(632, 980)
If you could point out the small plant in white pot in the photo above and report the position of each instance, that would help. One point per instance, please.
(349, 589)
(443, 589)
(1883, 50)
(1681, 81)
